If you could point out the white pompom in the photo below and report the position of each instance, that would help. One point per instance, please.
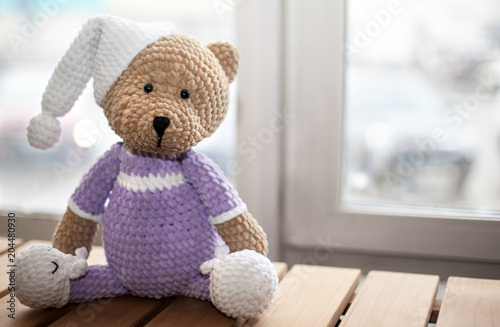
(243, 284)
(44, 131)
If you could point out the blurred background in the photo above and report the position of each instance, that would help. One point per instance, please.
(360, 133)
(35, 35)
(421, 104)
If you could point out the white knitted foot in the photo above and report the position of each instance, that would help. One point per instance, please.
(43, 274)
(242, 284)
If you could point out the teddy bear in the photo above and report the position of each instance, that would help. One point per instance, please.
(172, 223)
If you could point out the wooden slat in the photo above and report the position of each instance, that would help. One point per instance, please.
(121, 311)
(281, 269)
(4, 244)
(393, 299)
(4, 264)
(192, 312)
(310, 296)
(27, 317)
(97, 256)
(186, 311)
(470, 302)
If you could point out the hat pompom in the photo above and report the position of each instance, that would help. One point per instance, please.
(44, 131)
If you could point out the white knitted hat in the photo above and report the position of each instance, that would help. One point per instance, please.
(104, 48)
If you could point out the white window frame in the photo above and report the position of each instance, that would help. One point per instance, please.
(306, 179)
(258, 177)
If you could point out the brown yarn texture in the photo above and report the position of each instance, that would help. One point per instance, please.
(172, 64)
(244, 232)
(73, 232)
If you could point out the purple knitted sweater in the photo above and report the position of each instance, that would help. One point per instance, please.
(158, 224)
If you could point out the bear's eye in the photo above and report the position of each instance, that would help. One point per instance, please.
(148, 88)
(184, 94)
(57, 266)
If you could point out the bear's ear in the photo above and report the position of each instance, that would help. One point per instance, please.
(228, 57)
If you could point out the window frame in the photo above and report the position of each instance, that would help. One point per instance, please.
(311, 212)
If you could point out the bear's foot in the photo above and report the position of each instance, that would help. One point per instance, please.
(43, 275)
(243, 284)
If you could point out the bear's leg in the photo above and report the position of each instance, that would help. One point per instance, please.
(198, 287)
(98, 282)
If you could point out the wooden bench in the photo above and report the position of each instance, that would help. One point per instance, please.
(307, 296)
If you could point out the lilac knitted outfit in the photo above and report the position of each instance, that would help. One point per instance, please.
(158, 224)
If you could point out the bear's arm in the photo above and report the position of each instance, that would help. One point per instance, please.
(244, 232)
(226, 211)
(73, 232)
(78, 225)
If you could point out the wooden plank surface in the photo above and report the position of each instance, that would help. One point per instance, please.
(97, 256)
(27, 317)
(120, 311)
(186, 311)
(393, 299)
(192, 312)
(470, 302)
(281, 269)
(310, 296)
(4, 243)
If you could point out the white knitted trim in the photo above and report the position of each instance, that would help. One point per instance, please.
(228, 215)
(151, 182)
(83, 214)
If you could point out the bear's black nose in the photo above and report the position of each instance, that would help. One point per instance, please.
(160, 124)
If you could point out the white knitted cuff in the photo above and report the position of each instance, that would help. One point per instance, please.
(83, 214)
(228, 215)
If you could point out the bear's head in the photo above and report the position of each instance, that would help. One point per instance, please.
(173, 94)
(162, 92)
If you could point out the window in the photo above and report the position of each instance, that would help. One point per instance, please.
(421, 95)
(37, 35)
(330, 195)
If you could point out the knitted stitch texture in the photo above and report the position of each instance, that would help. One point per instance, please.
(98, 282)
(242, 284)
(244, 232)
(103, 49)
(170, 65)
(164, 199)
(156, 227)
(44, 273)
(73, 232)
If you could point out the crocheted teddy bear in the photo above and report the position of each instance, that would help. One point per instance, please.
(172, 224)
